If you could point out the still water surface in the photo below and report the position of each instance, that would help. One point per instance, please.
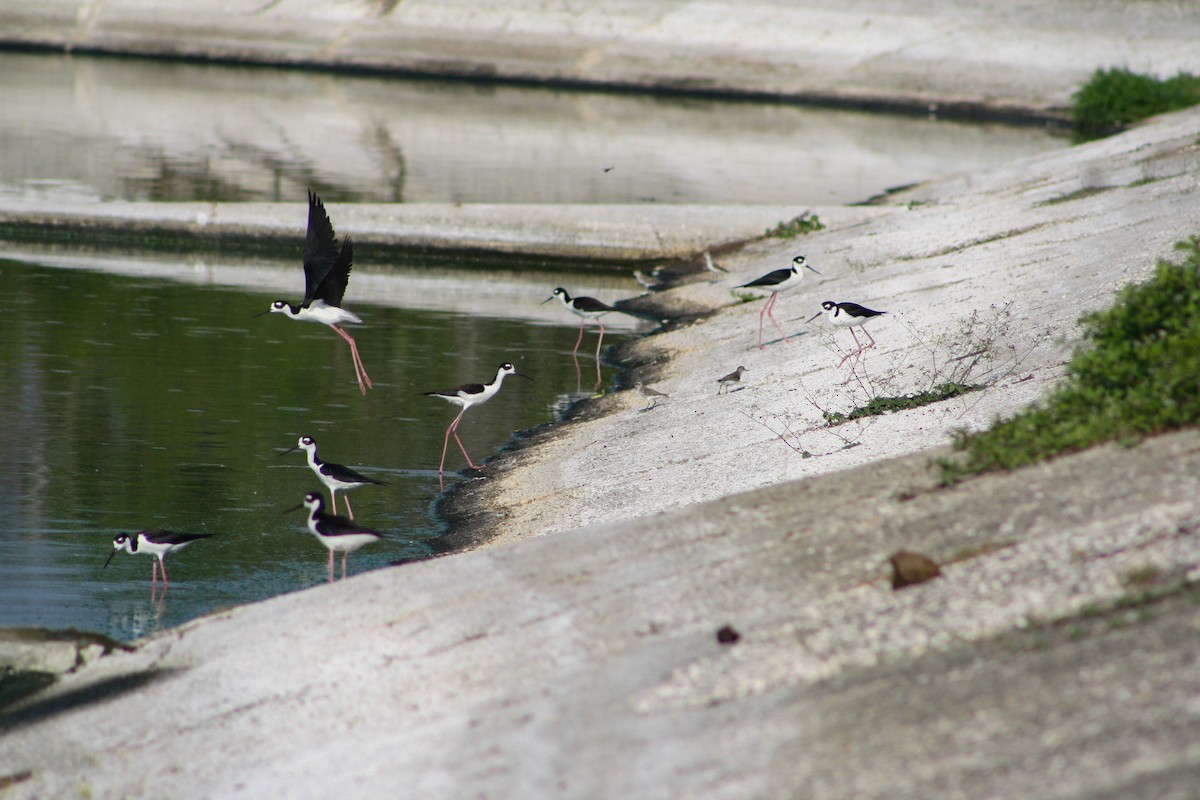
(130, 403)
(82, 129)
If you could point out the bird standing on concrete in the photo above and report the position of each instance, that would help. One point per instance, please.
(730, 379)
(648, 394)
(780, 280)
(849, 315)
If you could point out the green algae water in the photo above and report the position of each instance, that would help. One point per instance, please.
(130, 403)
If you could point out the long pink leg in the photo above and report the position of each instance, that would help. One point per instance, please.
(856, 353)
(771, 305)
(472, 464)
(766, 307)
(349, 510)
(359, 368)
(153, 574)
(360, 371)
(869, 336)
(333, 501)
(579, 341)
(344, 556)
(446, 441)
(446, 444)
(331, 566)
(599, 344)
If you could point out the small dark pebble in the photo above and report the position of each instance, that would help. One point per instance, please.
(727, 635)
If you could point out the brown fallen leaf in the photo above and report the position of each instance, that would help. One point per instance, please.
(910, 568)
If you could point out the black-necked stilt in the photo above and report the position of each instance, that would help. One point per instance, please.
(337, 478)
(585, 308)
(649, 394)
(154, 543)
(779, 280)
(326, 273)
(465, 396)
(730, 379)
(849, 315)
(338, 534)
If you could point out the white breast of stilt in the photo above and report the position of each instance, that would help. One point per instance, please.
(489, 391)
(320, 311)
(158, 549)
(347, 542)
(842, 319)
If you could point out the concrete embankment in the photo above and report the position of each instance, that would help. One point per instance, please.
(1054, 656)
(985, 58)
(563, 234)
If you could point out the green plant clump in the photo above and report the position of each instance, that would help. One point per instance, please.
(805, 223)
(1114, 98)
(1137, 374)
(884, 405)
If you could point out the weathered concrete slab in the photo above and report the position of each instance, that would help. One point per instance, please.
(30, 649)
(575, 232)
(586, 664)
(979, 56)
(1003, 263)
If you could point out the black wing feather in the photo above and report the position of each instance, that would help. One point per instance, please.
(171, 537)
(855, 310)
(770, 279)
(467, 388)
(320, 251)
(333, 288)
(591, 304)
(331, 525)
(344, 473)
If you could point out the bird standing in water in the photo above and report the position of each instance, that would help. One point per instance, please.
(336, 477)
(338, 534)
(156, 544)
(326, 273)
(585, 308)
(465, 396)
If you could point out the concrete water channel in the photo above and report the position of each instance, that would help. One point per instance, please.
(584, 664)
